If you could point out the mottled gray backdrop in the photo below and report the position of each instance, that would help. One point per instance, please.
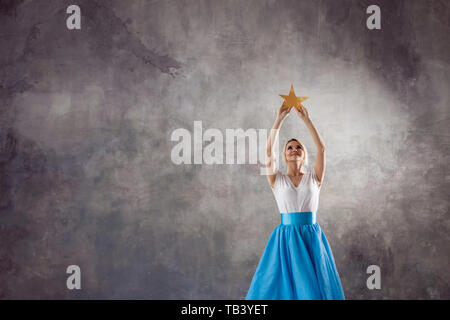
(87, 116)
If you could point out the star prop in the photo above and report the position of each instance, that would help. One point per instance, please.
(291, 99)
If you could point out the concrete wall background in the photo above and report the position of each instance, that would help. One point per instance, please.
(86, 119)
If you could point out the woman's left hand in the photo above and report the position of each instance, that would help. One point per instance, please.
(301, 111)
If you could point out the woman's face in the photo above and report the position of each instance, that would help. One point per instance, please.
(294, 151)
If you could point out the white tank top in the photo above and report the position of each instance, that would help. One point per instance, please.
(303, 198)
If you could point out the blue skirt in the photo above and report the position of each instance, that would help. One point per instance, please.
(297, 263)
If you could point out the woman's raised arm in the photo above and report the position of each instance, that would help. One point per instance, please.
(271, 166)
(318, 141)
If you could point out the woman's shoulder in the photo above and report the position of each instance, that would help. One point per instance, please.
(310, 173)
(313, 177)
(277, 176)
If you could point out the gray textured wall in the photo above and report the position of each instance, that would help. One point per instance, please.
(87, 115)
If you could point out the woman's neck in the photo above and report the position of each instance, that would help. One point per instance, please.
(294, 168)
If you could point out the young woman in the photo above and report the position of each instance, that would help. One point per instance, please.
(297, 263)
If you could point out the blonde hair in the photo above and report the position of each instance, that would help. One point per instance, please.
(305, 159)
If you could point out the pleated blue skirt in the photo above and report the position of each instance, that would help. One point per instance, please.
(297, 263)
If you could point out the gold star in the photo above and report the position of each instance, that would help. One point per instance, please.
(291, 99)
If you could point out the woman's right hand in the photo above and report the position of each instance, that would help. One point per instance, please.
(284, 111)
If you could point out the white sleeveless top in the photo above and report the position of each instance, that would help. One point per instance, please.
(303, 198)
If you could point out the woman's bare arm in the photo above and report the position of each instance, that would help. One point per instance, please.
(271, 165)
(318, 141)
